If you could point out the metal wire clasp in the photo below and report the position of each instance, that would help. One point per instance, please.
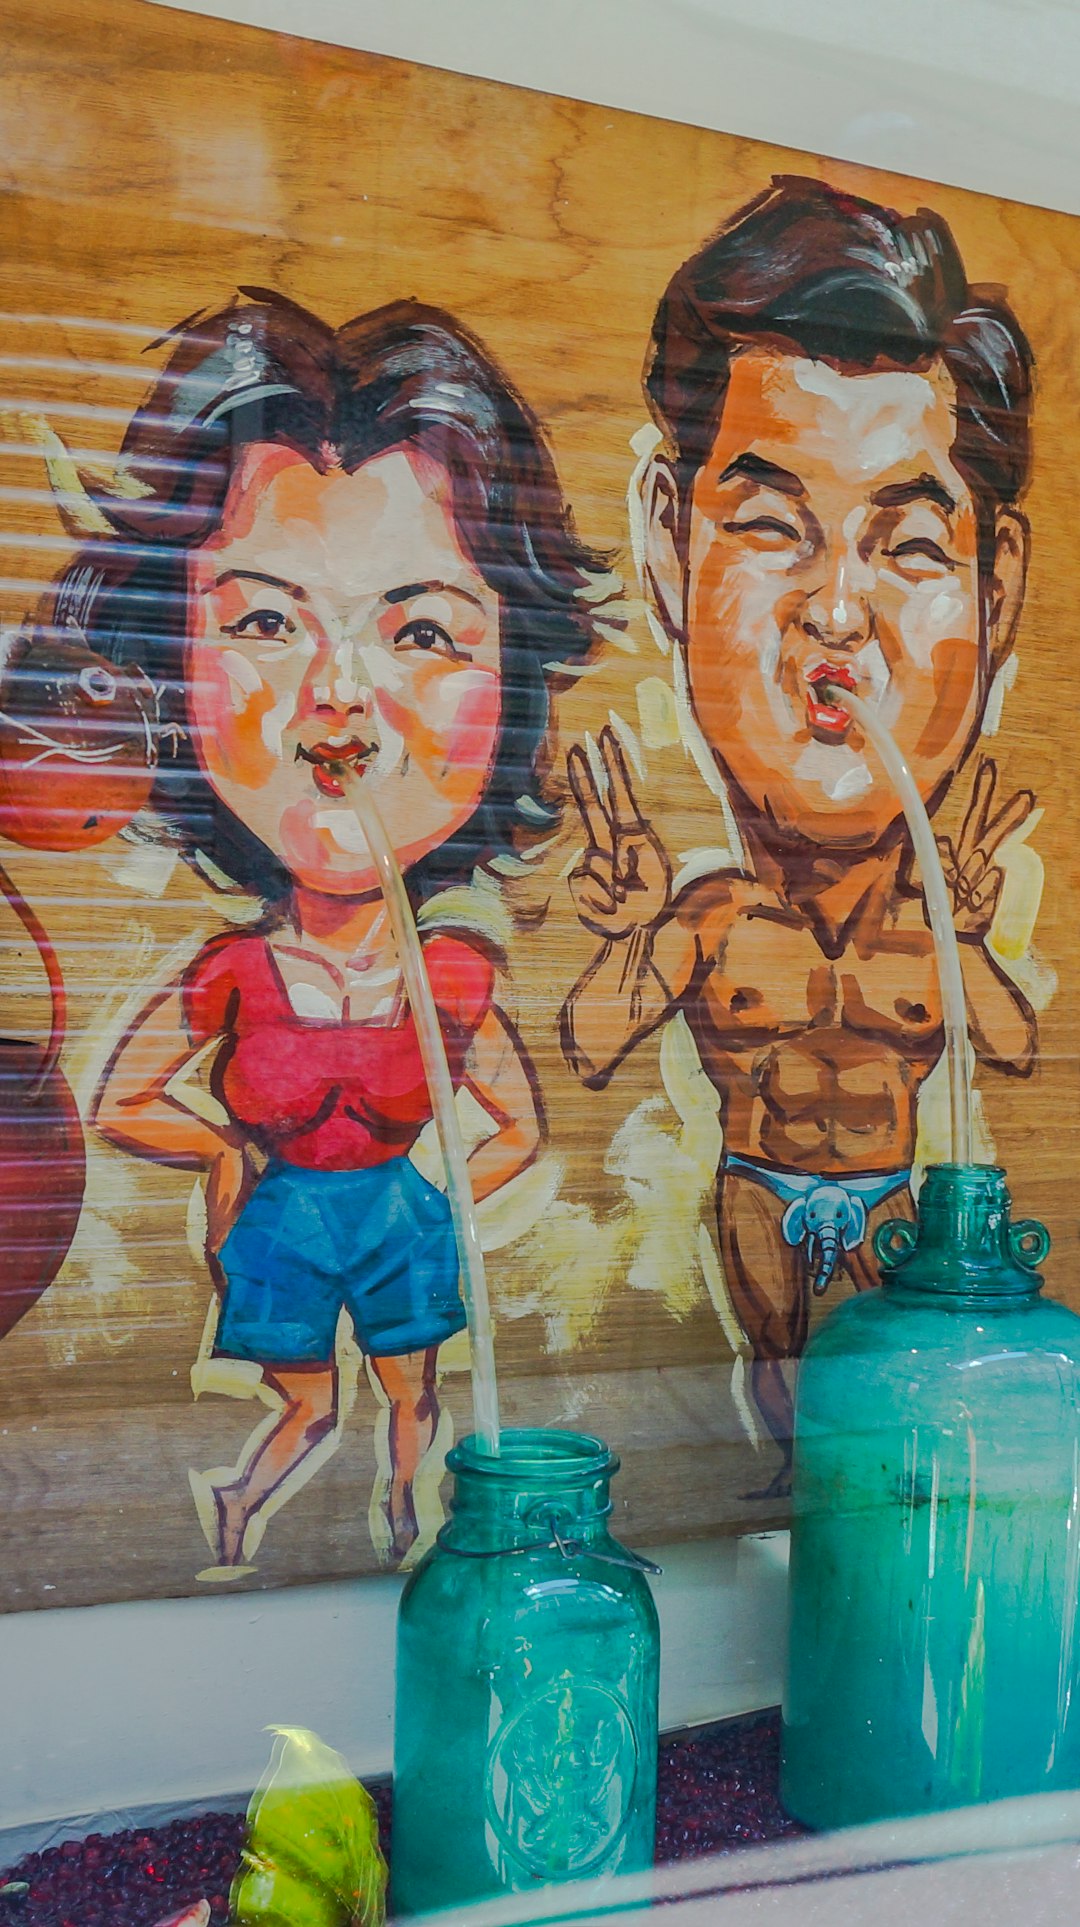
(567, 1548)
(577, 1549)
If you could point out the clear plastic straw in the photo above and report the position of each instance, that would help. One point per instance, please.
(939, 910)
(437, 1071)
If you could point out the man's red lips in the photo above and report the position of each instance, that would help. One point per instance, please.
(827, 718)
(330, 760)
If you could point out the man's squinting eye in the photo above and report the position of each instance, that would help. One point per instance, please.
(431, 636)
(268, 625)
(768, 530)
(919, 554)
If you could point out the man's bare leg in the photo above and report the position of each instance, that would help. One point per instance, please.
(861, 1264)
(770, 1296)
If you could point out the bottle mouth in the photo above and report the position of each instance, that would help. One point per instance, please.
(974, 1173)
(535, 1454)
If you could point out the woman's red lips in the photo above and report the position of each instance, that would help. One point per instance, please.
(828, 718)
(330, 760)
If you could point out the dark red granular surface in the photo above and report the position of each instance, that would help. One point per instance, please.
(717, 1792)
(129, 1879)
(718, 1789)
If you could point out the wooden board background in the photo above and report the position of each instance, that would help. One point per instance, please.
(150, 163)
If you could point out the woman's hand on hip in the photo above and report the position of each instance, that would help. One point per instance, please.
(228, 1185)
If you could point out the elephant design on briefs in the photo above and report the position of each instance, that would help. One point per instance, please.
(822, 1215)
(826, 1219)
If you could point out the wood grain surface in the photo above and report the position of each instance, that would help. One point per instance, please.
(150, 164)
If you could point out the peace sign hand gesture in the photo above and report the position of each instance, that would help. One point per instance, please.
(623, 882)
(974, 879)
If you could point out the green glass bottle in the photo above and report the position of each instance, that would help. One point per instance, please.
(527, 1675)
(935, 1546)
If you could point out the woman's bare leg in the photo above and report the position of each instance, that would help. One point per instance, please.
(409, 1384)
(309, 1398)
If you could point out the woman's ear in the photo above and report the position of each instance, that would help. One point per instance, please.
(1005, 590)
(663, 562)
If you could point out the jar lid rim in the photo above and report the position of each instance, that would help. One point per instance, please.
(542, 1452)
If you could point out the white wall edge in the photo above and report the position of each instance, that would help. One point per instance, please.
(119, 1707)
(981, 94)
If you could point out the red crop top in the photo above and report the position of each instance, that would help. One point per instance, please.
(325, 1095)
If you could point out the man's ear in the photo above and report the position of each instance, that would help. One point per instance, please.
(1005, 590)
(663, 562)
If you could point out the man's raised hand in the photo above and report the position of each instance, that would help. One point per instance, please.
(623, 881)
(974, 878)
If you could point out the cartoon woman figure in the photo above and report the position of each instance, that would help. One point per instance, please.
(333, 548)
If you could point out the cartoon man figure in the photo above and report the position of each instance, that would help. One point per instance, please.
(847, 435)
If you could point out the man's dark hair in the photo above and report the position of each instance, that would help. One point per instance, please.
(405, 376)
(812, 271)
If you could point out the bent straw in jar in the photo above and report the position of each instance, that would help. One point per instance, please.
(939, 910)
(440, 1086)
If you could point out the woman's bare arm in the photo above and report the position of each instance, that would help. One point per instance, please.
(149, 1101)
(500, 1077)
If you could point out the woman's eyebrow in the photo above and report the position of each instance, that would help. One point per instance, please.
(256, 575)
(410, 589)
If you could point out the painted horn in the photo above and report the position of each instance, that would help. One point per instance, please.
(71, 481)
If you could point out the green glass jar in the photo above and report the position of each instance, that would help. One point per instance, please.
(935, 1545)
(527, 1675)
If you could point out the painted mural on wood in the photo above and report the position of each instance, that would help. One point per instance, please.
(676, 938)
(846, 427)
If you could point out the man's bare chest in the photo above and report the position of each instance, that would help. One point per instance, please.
(774, 977)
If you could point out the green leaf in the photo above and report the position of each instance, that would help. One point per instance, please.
(311, 1857)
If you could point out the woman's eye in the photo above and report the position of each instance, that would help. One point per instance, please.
(429, 635)
(770, 530)
(919, 549)
(269, 625)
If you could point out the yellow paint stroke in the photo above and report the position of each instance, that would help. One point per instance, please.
(666, 1153)
(520, 1204)
(995, 701)
(1013, 929)
(189, 1094)
(933, 1137)
(703, 862)
(478, 906)
(658, 716)
(643, 445)
(70, 481)
(138, 863)
(670, 1179)
(713, 1274)
(629, 740)
(563, 1270)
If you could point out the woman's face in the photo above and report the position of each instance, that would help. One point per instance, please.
(336, 620)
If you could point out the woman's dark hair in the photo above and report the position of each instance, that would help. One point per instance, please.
(266, 370)
(824, 274)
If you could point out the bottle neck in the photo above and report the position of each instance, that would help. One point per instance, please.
(963, 1248)
(544, 1486)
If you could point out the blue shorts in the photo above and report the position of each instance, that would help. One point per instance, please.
(379, 1242)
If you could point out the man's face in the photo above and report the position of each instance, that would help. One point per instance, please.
(830, 531)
